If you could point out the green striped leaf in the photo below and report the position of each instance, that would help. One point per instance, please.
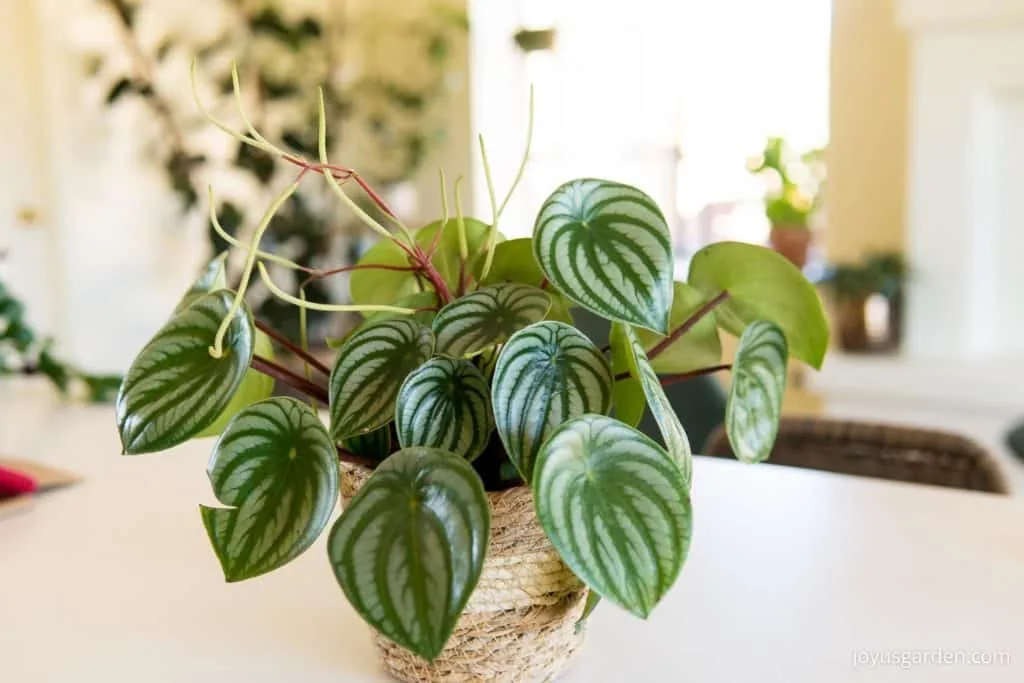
(174, 387)
(624, 339)
(213, 277)
(488, 316)
(607, 247)
(700, 347)
(615, 505)
(277, 469)
(375, 445)
(754, 405)
(514, 261)
(445, 404)
(376, 286)
(763, 285)
(546, 374)
(370, 368)
(409, 548)
(255, 387)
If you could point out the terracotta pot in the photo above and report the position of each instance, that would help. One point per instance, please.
(520, 621)
(792, 242)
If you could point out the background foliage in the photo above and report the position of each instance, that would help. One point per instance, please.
(23, 352)
(383, 75)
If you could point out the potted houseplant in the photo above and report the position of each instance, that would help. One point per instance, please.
(852, 286)
(793, 197)
(489, 499)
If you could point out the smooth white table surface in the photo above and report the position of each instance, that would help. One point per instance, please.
(792, 576)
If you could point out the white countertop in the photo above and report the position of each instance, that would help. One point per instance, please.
(793, 576)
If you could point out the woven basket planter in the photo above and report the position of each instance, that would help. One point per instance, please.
(520, 621)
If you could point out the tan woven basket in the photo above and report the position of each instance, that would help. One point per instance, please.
(520, 622)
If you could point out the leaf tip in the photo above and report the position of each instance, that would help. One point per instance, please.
(641, 610)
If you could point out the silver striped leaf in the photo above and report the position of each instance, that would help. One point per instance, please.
(514, 261)
(607, 247)
(174, 388)
(370, 368)
(625, 338)
(763, 285)
(445, 404)
(488, 316)
(255, 387)
(375, 445)
(409, 548)
(616, 507)
(277, 469)
(546, 374)
(754, 404)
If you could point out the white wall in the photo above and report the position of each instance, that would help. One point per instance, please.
(965, 204)
(27, 239)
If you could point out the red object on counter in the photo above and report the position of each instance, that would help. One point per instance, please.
(14, 483)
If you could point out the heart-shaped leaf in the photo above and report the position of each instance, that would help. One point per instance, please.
(174, 388)
(514, 261)
(546, 374)
(375, 445)
(615, 506)
(625, 340)
(370, 368)
(763, 285)
(424, 303)
(488, 316)
(213, 277)
(409, 548)
(255, 387)
(277, 468)
(445, 404)
(699, 347)
(377, 286)
(754, 405)
(607, 247)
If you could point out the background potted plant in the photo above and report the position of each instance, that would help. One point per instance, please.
(490, 500)
(795, 194)
(878, 277)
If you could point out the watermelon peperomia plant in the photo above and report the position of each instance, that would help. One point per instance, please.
(468, 375)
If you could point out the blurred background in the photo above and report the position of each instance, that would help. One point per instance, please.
(876, 143)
